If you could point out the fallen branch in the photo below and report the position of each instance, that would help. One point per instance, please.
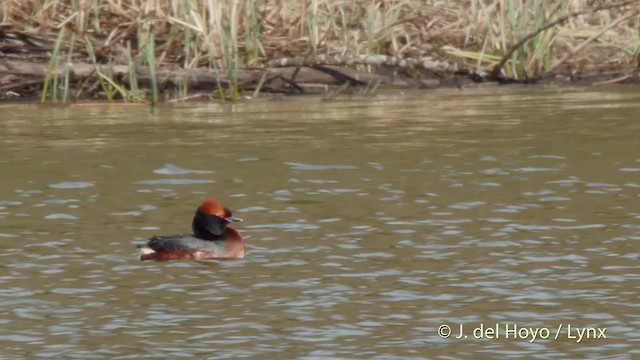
(494, 75)
(587, 42)
(282, 79)
(425, 63)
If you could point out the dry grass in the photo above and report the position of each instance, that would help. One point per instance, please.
(230, 34)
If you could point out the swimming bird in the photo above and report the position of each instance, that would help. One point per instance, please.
(211, 238)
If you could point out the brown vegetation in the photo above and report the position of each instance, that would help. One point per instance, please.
(226, 46)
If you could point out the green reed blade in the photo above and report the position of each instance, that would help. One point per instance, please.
(53, 63)
(67, 68)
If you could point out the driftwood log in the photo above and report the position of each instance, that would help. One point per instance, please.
(20, 78)
(16, 74)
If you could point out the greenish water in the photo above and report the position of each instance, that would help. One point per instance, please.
(369, 223)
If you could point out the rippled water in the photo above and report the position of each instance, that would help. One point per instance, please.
(369, 222)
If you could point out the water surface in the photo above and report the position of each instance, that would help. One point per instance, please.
(369, 222)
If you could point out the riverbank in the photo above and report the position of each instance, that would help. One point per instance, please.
(151, 51)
